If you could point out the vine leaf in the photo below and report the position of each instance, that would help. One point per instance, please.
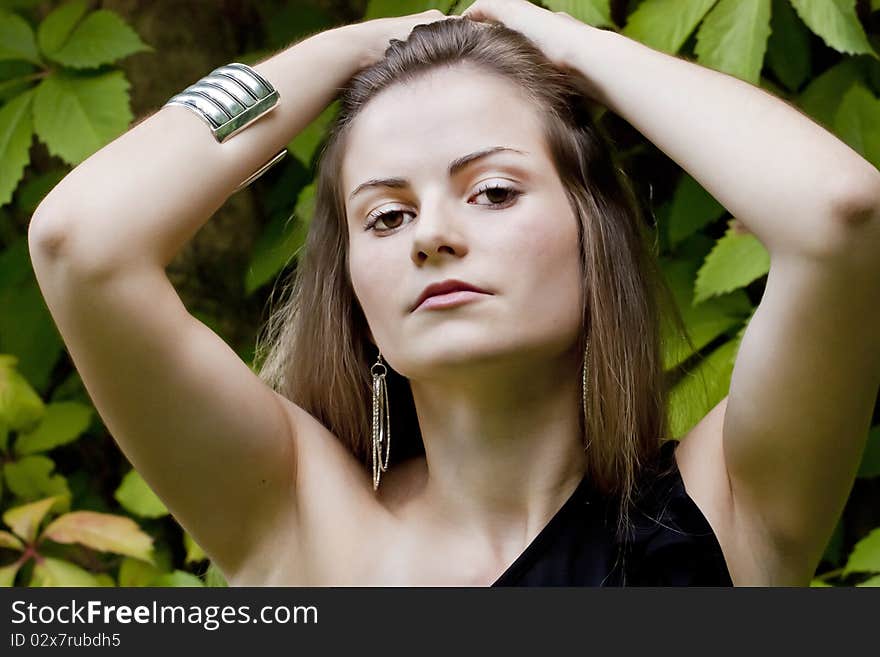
(17, 39)
(733, 38)
(31, 478)
(856, 122)
(56, 28)
(736, 260)
(788, 49)
(101, 531)
(58, 572)
(16, 134)
(77, 114)
(101, 38)
(665, 25)
(24, 520)
(865, 556)
(63, 423)
(136, 496)
(592, 12)
(836, 22)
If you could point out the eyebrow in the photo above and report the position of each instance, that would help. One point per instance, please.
(454, 167)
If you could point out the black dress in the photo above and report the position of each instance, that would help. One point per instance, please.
(672, 543)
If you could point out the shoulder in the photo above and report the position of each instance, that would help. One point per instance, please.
(329, 531)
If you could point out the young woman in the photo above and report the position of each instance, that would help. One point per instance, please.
(477, 296)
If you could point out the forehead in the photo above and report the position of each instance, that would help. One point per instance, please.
(436, 118)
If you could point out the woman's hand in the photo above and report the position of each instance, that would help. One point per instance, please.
(554, 32)
(379, 32)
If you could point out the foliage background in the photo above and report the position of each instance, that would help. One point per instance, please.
(74, 75)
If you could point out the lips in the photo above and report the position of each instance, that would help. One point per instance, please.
(444, 287)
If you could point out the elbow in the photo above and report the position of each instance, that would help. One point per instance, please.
(854, 227)
(856, 201)
(55, 244)
(47, 237)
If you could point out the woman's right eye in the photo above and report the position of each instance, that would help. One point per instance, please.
(383, 217)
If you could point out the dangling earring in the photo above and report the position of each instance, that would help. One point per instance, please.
(585, 387)
(381, 430)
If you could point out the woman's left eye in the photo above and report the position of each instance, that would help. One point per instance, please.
(498, 191)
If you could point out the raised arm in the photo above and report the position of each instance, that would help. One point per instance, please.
(782, 450)
(215, 443)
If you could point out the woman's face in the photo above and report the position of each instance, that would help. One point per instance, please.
(519, 242)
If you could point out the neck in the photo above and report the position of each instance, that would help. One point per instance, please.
(503, 445)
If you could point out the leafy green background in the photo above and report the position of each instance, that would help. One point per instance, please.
(74, 75)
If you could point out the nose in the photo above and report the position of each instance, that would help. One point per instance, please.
(436, 231)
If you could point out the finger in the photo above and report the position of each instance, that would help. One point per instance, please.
(478, 12)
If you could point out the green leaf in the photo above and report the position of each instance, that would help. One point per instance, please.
(16, 134)
(214, 578)
(701, 389)
(31, 478)
(857, 122)
(194, 553)
(822, 96)
(17, 39)
(101, 531)
(21, 4)
(788, 50)
(136, 496)
(382, 8)
(57, 572)
(177, 578)
(101, 38)
(288, 23)
(733, 38)
(63, 423)
(870, 464)
(736, 260)
(833, 552)
(25, 520)
(818, 583)
(304, 144)
(20, 407)
(275, 247)
(56, 28)
(76, 114)
(29, 333)
(666, 24)
(692, 208)
(865, 557)
(7, 574)
(873, 581)
(15, 68)
(134, 572)
(103, 579)
(10, 541)
(13, 88)
(281, 240)
(592, 12)
(704, 322)
(32, 192)
(837, 23)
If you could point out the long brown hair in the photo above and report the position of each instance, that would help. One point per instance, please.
(315, 348)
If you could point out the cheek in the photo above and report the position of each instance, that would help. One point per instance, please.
(372, 282)
(550, 259)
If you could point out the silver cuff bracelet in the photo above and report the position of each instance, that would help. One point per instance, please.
(229, 99)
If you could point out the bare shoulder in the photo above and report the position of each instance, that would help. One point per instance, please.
(324, 536)
(752, 558)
